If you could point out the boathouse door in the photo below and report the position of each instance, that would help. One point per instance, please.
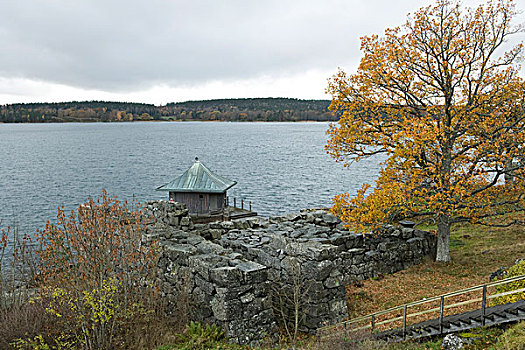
(201, 204)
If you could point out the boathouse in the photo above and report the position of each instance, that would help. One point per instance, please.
(203, 191)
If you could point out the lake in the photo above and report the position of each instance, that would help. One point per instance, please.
(280, 167)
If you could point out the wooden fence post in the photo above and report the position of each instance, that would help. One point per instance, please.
(441, 309)
(483, 305)
(404, 322)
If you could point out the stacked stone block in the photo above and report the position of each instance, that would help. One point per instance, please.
(234, 264)
(222, 287)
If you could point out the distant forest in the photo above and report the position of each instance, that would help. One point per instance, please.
(245, 109)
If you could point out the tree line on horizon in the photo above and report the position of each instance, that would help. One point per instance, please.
(245, 109)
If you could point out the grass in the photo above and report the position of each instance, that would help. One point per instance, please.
(476, 252)
(202, 337)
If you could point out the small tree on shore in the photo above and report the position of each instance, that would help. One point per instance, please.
(437, 97)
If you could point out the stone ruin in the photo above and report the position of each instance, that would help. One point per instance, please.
(241, 274)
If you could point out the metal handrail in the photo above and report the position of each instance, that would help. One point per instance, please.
(243, 202)
(404, 307)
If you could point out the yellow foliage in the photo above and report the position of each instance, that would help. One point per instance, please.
(38, 343)
(449, 115)
(94, 311)
(514, 271)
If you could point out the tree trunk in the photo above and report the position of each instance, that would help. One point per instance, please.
(443, 239)
(509, 177)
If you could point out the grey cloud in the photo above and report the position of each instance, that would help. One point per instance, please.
(116, 45)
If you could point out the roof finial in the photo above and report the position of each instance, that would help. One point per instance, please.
(196, 159)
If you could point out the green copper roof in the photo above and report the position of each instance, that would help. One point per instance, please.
(198, 178)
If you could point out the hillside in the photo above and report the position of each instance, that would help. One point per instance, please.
(247, 109)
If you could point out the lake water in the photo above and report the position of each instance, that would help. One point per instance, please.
(280, 167)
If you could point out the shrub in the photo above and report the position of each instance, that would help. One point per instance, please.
(209, 332)
(202, 337)
(39, 343)
(513, 338)
(25, 321)
(514, 271)
(97, 275)
(17, 267)
(18, 318)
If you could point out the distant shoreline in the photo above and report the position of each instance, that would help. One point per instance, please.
(231, 110)
(171, 121)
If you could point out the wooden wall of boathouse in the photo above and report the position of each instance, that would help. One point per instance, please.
(200, 203)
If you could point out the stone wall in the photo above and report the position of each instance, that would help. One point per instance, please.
(234, 267)
(223, 287)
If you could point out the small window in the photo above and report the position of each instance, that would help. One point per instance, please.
(201, 196)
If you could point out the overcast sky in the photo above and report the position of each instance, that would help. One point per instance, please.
(159, 51)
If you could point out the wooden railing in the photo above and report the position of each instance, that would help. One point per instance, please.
(242, 203)
(372, 323)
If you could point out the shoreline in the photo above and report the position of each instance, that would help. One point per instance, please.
(173, 121)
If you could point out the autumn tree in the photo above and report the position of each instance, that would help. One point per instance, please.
(97, 274)
(443, 102)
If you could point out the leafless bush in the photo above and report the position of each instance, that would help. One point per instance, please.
(18, 317)
(17, 267)
(290, 295)
(181, 313)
